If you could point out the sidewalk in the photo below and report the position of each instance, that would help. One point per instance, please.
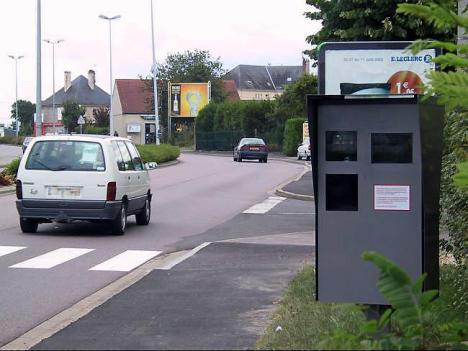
(301, 189)
(221, 298)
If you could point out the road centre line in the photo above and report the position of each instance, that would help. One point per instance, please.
(126, 261)
(265, 206)
(5, 250)
(52, 258)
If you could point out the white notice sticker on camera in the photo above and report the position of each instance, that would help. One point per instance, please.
(392, 197)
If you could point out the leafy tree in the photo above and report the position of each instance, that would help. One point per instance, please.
(71, 112)
(373, 20)
(26, 110)
(450, 85)
(101, 116)
(293, 101)
(194, 67)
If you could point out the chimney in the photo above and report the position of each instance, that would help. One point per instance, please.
(67, 84)
(91, 79)
(305, 66)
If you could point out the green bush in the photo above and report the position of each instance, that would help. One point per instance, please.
(91, 129)
(12, 140)
(292, 135)
(158, 153)
(12, 167)
(411, 323)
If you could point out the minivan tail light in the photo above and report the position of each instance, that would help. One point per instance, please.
(111, 191)
(19, 190)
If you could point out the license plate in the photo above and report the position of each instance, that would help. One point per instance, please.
(64, 192)
(254, 149)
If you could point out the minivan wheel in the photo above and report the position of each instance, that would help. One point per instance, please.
(144, 217)
(28, 225)
(120, 222)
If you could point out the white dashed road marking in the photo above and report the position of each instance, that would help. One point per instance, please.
(5, 250)
(52, 258)
(126, 261)
(265, 206)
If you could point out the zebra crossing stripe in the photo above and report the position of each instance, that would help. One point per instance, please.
(5, 250)
(265, 206)
(52, 258)
(126, 261)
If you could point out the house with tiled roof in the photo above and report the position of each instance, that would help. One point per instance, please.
(81, 90)
(132, 111)
(255, 82)
(230, 89)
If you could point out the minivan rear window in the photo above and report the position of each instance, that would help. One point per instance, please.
(66, 155)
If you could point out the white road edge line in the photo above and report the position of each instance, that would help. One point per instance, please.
(6, 250)
(62, 320)
(182, 258)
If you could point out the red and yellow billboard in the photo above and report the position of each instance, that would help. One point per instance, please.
(187, 99)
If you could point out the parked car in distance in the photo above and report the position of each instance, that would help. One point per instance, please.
(82, 177)
(26, 142)
(251, 149)
(303, 151)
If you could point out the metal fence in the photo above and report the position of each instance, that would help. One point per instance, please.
(219, 141)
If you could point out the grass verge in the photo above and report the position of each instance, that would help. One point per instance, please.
(158, 153)
(306, 324)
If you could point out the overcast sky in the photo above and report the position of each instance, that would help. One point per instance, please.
(238, 32)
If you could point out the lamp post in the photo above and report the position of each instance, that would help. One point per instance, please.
(16, 58)
(110, 19)
(54, 115)
(38, 130)
(155, 83)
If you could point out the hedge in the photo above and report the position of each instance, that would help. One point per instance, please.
(12, 140)
(292, 135)
(158, 153)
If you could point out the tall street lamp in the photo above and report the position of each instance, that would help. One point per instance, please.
(16, 58)
(155, 83)
(53, 42)
(38, 130)
(110, 19)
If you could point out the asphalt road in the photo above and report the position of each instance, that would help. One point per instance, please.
(191, 198)
(9, 153)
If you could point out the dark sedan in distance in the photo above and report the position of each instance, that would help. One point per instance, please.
(251, 149)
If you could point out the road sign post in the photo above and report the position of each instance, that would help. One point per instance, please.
(80, 122)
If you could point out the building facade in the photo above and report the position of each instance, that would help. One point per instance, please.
(132, 111)
(264, 82)
(82, 91)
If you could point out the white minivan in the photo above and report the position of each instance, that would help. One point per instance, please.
(82, 177)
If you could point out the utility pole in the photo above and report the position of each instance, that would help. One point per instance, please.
(155, 83)
(462, 35)
(111, 119)
(38, 73)
(16, 58)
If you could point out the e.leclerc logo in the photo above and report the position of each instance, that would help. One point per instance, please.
(425, 58)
